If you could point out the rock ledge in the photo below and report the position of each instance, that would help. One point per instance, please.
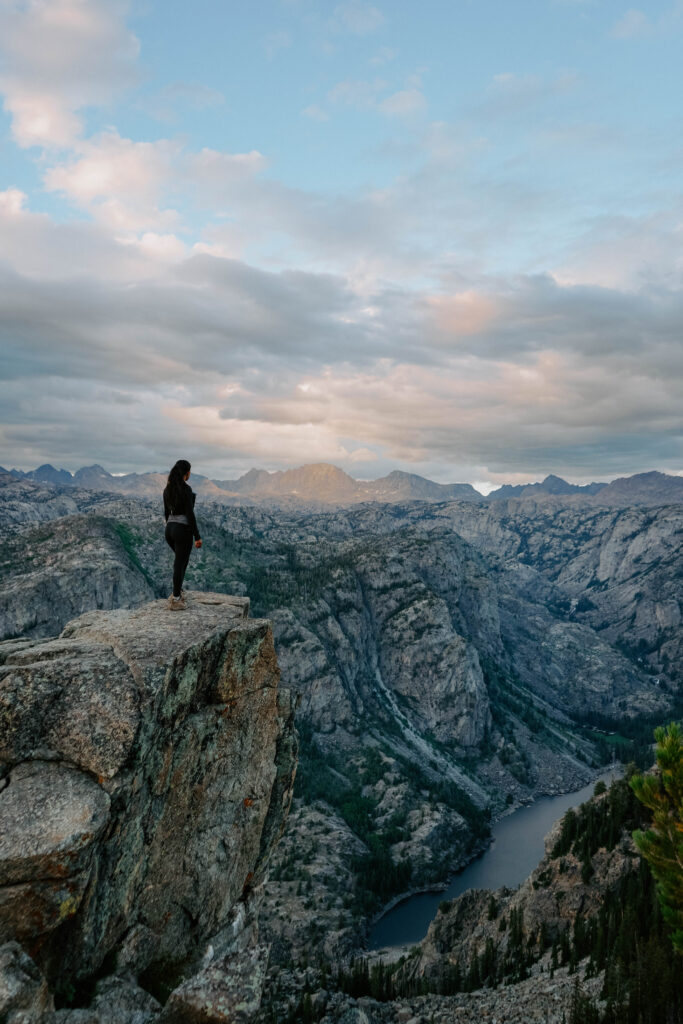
(146, 769)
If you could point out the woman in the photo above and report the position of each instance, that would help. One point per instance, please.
(181, 527)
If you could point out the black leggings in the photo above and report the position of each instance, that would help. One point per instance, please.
(179, 538)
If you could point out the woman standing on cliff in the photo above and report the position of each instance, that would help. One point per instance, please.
(181, 527)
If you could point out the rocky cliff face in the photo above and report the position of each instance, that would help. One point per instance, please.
(620, 570)
(63, 555)
(551, 900)
(446, 657)
(323, 484)
(73, 564)
(533, 955)
(147, 763)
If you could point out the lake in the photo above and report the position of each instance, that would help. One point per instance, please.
(516, 849)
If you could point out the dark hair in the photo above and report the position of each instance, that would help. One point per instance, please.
(176, 483)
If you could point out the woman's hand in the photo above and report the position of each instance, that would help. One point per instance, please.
(197, 543)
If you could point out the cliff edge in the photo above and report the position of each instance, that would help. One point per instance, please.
(147, 761)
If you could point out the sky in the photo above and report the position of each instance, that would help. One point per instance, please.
(444, 236)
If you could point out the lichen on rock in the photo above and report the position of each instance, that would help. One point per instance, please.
(148, 763)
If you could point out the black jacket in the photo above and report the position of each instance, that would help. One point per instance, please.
(186, 508)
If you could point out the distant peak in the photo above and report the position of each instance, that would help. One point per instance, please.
(95, 468)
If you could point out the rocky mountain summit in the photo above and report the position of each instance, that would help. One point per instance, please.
(146, 769)
(321, 485)
(450, 660)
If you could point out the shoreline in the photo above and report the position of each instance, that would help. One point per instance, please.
(432, 887)
(436, 887)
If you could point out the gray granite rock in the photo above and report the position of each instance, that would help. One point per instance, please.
(117, 1000)
(24, 994)
(228, 991)
(51, 816)
(151, 764)
(70, 699)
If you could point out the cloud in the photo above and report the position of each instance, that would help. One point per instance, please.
(413, 320)
(466, 312)
(315, 113)
(33, 246)
(216, 175)
(358, 17)
(118, 181)
(633, 24)
(126, 185)
(12, 202)
(362, 455)
(502, 374)
(628, 252)
(367, 95)
(637, 24)
(552, 411)
(363, 95)
(403, 103)
(260, 440)
(384, 55)
(511, 93)
(162, 188)
(59, 58)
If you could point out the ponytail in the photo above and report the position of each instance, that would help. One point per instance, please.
(176, 483)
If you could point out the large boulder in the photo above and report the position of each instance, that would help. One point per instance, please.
(24, 995)
(228, 991)
(51, 815)
(146, 769)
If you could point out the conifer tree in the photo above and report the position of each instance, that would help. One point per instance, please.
(492, 912)
(553, 958)
(662, 843)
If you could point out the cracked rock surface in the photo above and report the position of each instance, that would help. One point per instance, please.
(146, 769)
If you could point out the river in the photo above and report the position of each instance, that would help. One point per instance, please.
(516, 849)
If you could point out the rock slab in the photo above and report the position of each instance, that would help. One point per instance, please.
(146, 769)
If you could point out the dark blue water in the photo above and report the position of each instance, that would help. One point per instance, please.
(515, 851)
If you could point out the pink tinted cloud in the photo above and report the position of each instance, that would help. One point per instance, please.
(467, 312)
(58, 58)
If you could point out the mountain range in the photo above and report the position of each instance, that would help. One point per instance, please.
(325, 484)
(449, 660)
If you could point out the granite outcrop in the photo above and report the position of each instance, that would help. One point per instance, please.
(451, 659)
(547, 903)
(147, 761)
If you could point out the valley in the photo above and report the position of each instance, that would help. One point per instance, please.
(449, 661)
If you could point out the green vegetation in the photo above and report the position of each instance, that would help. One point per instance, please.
(599, 823)
(628, 940)
(512, 701)
(444, 791)
(630, 737)
(631, 943)
(325, 777)
(340, 783)
(662, 843)
(131, 541)
(285, 577)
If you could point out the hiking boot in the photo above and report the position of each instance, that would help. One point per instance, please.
(176, 604)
